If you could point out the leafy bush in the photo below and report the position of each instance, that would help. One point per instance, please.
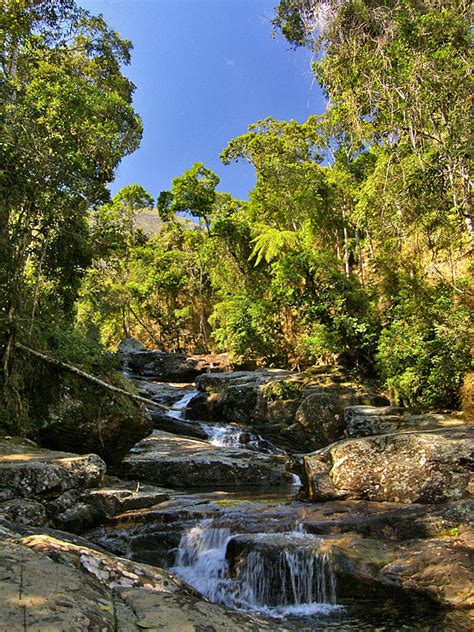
(424, 352)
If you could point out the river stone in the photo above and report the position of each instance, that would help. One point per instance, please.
(26, 471)
(174, 461)
(83, 417)
(171, 367)
(440, 570)
(22, 511)
(426, 467)
(109, 501)
(131, 345)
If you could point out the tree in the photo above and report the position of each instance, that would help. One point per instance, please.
(194, 192)
(67, 120)
(397, 73)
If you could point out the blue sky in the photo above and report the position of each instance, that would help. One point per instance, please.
(204, 70)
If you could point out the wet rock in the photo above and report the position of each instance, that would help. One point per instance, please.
(440, 570)
(173, 461)
(426, 467)
(295, 411)
(162, 421)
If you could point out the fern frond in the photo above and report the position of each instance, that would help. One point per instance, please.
(271, 243)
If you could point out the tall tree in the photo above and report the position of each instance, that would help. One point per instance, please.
(67, 120)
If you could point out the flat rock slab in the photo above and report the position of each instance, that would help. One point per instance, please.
(48, 584)
(364, 421)
(27, 471)
(177, 462)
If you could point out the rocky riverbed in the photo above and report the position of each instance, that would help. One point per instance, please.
(264, 500)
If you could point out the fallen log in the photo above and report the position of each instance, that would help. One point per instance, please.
(91, 378)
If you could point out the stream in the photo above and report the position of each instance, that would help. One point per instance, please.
(250, 549)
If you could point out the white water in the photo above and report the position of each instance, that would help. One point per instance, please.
(224, 436)
(180, 406)
(290, 582)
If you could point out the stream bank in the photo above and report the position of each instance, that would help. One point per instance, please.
(212, 503)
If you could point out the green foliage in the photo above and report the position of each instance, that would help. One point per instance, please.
(193, 193)
(282, 389)
(353, 245)
(424, 350)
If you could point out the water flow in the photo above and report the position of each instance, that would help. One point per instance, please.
(297, 581)
(237, 437)
(180, 406)
(278, 582)
(201, 562)
(224, 436)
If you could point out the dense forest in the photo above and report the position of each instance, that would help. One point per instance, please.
(354, 247)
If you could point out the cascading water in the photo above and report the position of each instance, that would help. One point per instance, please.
(236, 437)
(297, 581)
(200, 560)
(294, 582)
(180, 406)
(224, 436)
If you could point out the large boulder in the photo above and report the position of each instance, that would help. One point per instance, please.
(439, 570)
(177, 461)
(426, 467)
(82, 417)
(39, 486)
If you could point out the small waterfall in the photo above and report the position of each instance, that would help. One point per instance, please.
(236, 437)
(126, 369)
(200, 560)
(293, 580)
(180, 406)
(224, 436)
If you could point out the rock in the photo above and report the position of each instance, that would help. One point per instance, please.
(173, 461)
(322, 414)
(24, 512)
(297, 412)
(125, 496)
(43, 474)
(85, 418)
(162, 392)
(426, 467)
(41, 487)
(52, 584)
(172, 367)
(364, 421)
(162, 421)
(439, 570)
